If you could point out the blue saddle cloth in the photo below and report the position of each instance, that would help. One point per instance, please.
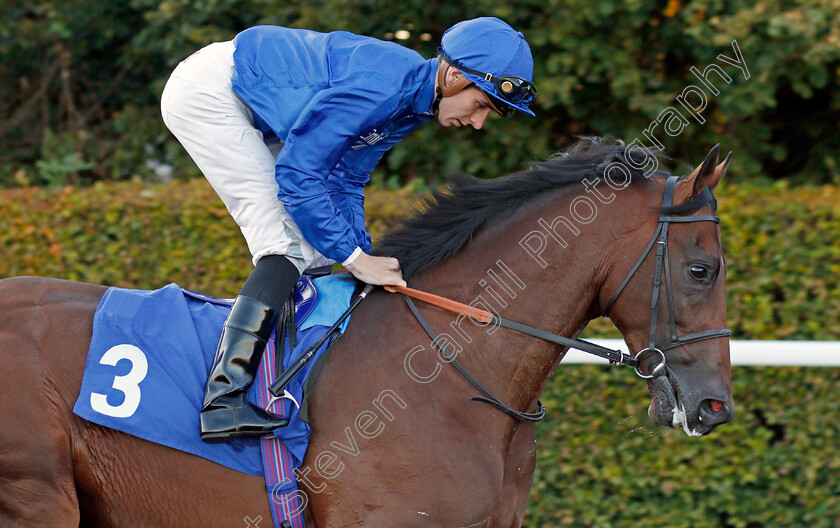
(150, 355)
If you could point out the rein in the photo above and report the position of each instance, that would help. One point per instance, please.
(450, 357)
(615, 357)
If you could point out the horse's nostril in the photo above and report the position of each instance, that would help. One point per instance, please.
(715, 412)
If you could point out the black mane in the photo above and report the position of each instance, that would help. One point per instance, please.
(453, 215)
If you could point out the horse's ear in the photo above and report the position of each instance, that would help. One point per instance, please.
(705, 175)
(720, 170)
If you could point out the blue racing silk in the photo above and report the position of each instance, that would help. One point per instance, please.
(339, 101)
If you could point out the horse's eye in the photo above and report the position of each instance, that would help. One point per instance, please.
(699, 272)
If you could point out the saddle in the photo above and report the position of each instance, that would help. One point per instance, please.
(303, 299)
(297, 308)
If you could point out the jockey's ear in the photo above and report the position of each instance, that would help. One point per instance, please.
(707, 174)
(453, 74)
(454, 81)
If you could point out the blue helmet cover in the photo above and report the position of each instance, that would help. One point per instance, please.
(489, 45)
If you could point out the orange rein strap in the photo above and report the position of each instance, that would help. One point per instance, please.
(482, 316)
(615, 357)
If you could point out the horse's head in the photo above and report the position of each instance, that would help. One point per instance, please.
(660, 241)
(671, 309)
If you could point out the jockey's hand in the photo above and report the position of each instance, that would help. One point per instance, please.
(381, 271)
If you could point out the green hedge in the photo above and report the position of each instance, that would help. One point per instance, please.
(781, 244)
(601, 462)
(137, 235)
(783, 254)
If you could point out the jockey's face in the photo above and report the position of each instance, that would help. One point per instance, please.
(467, 107)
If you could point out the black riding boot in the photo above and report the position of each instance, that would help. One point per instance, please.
(226, 413)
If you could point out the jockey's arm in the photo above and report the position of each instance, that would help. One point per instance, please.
(347, 191)
(321, 137)
(316, 143)
(347, 182)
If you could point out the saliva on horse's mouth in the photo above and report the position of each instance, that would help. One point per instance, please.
(679, 418)
(672, 397)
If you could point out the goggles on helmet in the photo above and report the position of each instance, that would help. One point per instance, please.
(503, 109)
(510, 88)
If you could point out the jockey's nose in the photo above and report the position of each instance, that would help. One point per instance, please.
(478, 118)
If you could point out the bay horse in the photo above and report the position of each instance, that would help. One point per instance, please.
(396, 439)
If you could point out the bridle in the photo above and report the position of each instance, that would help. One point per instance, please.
(660, 238)
(615, 357)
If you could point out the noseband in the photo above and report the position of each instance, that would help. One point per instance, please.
(660, 238)
(615, 357)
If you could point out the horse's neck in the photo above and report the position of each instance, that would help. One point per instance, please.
(554, 292)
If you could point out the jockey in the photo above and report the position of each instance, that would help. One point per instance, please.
(286, 125)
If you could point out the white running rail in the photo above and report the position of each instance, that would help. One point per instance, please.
(742, 352)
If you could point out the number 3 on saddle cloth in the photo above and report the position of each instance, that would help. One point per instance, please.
(149, 358)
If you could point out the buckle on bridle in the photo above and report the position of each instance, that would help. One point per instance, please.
(657, 370)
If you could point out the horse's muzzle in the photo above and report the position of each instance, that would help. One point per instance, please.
(697, 412)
